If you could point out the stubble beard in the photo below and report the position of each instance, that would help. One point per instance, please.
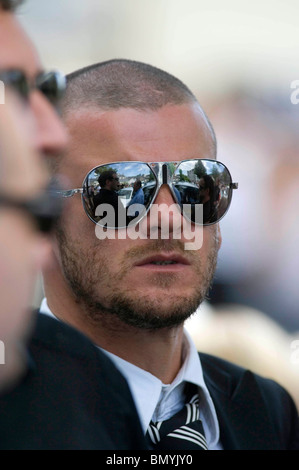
(89, 275)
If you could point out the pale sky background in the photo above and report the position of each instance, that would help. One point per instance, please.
(210, 45)
(239, 58)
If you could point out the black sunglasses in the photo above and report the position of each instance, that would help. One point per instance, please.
(45, 209)
(51, 84)
(183, 178)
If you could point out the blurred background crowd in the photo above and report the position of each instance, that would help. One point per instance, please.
(240, 58)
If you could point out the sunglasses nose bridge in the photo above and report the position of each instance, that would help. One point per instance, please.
(163, 172)
(164, 195)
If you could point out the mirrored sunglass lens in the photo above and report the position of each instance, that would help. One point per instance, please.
(52, 85)
(205, 182)
(117, 194)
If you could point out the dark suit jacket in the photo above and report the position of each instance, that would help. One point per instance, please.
(74, 398)
(71, 398)
(254, 413)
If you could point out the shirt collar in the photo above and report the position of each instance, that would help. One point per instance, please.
(147, 390)
(44, 308)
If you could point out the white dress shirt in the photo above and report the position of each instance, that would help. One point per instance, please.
(157, 401)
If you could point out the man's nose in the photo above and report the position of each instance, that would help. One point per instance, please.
(164, 218)
(50, 134)
(165, 196)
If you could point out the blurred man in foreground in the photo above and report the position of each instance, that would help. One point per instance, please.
(29, 131)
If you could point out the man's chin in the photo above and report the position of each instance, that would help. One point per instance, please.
(152, 313)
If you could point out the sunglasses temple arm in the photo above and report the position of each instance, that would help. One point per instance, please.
(68, 192)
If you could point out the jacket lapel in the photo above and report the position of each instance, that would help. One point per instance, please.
(241, 411)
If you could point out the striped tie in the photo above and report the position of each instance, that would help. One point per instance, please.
(184, 431)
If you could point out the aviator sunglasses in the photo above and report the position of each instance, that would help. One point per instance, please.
(44, 209)
(51, 84)
(191, 182)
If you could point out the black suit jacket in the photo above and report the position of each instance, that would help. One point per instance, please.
(72, 397)
(254, 413)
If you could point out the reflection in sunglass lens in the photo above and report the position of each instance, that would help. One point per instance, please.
(205, 182)
(193, 183)
(136, 185)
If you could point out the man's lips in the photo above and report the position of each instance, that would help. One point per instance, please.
(169, 261)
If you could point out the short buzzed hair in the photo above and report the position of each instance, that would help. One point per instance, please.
(10, 5)
(123, 83)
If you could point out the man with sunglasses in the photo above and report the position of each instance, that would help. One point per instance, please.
(130, 285)
(40, 408)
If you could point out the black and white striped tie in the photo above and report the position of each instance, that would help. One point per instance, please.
(183, 431)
